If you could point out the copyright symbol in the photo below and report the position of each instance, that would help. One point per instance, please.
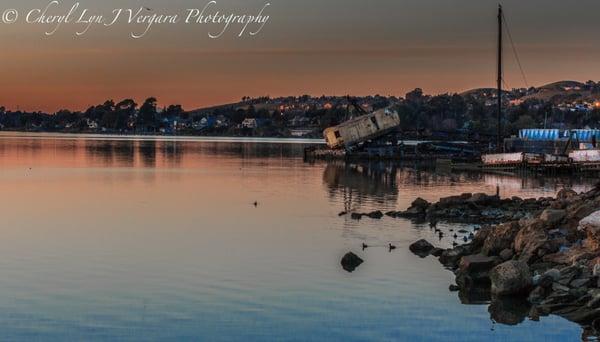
(10, 16)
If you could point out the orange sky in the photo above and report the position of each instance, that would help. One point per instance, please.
(317, 47)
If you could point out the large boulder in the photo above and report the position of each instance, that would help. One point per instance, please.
(553, 216)
(500, 238)
(511, 278)
(351, 261)
(421, 248)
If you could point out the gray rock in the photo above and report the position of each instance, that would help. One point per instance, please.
(596, 271)
(553, 273)
(559, 288)
(351, 261)
(436, 252)
(583, 282)
(511, 277)
(553, 216)
(422, 248)
(451, 257)
(545, 281)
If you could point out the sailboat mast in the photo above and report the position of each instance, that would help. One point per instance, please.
(499, 142)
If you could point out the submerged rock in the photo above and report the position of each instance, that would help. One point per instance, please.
(351, 261)
(356, 216)
(451, 257)
(511, 277)
(421, 248)
(375, 215)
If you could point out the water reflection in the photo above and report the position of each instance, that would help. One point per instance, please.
(354, 183)
(509, 310)
(160, 240)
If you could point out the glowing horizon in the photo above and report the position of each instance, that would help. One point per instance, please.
(316, 47)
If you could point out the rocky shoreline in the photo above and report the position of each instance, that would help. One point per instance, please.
(466, 208)
(537, 257)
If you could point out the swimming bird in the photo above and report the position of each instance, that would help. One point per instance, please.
(364, 246)
(455, 236)
(471, 236)
(256, 204)
(465, 239)
(392, 247)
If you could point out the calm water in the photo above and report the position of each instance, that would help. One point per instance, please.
(160, 240)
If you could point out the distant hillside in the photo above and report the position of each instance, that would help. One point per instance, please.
(563, 85)
(564, 91)
(557, 92)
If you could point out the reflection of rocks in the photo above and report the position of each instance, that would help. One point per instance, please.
(356, 182)
(351, 261)
(475, 295)
(509, 310)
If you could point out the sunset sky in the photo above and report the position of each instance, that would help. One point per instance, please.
(317, 47)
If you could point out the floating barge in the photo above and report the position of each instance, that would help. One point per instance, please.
(577, 161)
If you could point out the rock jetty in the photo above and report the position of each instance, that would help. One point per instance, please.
(542, 258)
(476, 208)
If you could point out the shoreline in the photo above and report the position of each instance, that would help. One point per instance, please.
(541, 257)
(153, 137)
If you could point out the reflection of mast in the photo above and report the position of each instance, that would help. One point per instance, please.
(499, 142)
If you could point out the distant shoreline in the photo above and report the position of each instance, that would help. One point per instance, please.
(150, 137)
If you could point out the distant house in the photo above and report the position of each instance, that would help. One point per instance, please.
(301, 132)
(299, 121)
(250, 123)
(92, 124)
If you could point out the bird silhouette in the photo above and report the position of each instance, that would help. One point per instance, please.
(392, 247)
(364, 246)
(256, 204)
